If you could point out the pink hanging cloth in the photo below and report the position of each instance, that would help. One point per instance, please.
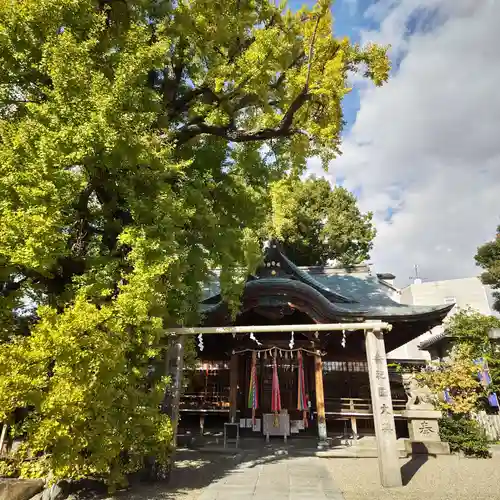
(275, 393)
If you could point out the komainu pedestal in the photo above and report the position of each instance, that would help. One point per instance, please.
(423, 426)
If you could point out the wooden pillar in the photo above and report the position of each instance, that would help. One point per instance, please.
(354, 423)
(233, 388)
(383, 413)
(320, 401)
(354, 428)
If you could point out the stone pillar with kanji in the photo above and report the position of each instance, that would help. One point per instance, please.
(383, 413)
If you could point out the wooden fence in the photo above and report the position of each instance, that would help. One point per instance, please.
(357, 407)
(491, 425)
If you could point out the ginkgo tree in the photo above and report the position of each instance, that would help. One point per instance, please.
(138, 141)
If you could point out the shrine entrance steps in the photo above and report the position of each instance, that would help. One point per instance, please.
(275, 477)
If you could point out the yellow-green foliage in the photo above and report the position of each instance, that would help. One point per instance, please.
(83, 373)
(458, 375)
(138, 139)
(468, 330)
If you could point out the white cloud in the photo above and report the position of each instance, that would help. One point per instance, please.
(427, 143)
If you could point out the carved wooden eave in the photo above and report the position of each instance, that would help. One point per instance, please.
(279, 288)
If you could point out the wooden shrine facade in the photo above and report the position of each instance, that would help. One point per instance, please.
(346, 388)
(335, 364)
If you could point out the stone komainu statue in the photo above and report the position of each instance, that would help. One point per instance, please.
(419, 395)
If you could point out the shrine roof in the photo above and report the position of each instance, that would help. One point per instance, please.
(337, 294)
(433, 340)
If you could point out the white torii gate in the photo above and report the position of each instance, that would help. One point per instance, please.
(383, 413)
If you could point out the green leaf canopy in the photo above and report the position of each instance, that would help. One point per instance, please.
(138, 139)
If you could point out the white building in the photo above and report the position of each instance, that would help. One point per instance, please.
(464, 292)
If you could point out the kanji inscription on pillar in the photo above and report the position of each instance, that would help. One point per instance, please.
(383, 415)
(387, 427)
(383, 392)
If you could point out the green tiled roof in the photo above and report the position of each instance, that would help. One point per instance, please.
(343, 294)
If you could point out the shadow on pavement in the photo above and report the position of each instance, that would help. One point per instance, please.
(196, 469)
(410, 468)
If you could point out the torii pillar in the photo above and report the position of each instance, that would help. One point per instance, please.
(383, 413)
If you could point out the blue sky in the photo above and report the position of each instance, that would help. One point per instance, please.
(422, 151)
(348, 21)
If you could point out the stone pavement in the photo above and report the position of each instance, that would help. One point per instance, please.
(290, 478)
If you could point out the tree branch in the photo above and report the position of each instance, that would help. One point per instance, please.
(171, 85)
(180, 105)
(282, 76)
(284, 129)
(311, 51)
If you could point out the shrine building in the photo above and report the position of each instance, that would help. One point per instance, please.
(272, 379)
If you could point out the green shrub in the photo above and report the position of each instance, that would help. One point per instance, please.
(92, 404)
(464, 434)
